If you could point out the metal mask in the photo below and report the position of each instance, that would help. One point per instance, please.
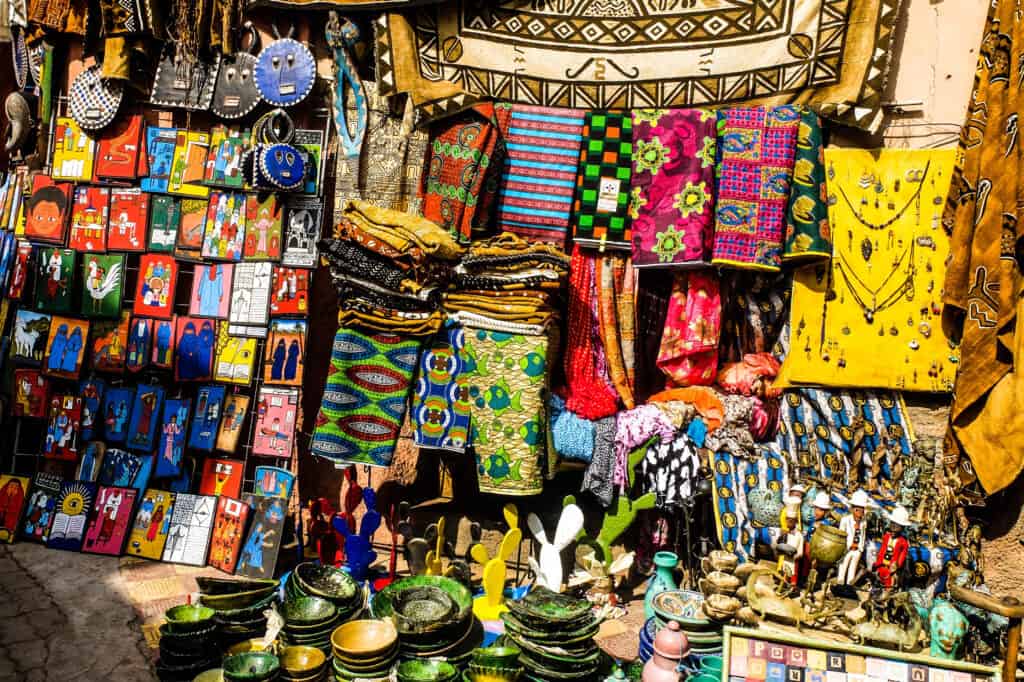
(285, 72)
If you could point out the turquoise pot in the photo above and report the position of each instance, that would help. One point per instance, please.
(664, 579)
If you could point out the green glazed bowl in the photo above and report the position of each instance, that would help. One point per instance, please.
(426, 671)
(384, 602)
(543, 607)
(308, 611)
(254, 666)
(216, 586)
(496, 656)
(188, 618)
(325, 582)
(233, 602)
(302, 660)
(214, 675)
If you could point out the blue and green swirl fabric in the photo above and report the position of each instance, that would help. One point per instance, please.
(440, 404)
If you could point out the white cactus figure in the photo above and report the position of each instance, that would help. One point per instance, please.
(548, 568)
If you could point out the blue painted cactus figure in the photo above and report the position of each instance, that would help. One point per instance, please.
(359, 552)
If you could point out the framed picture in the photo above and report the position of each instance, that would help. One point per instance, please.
(160, 144)
(41, 505)
(110, 344)
(171, 446)
(142, 428)
(62, 431)
(189, 164)
(206, 418)
(119, 148)
(274, 482)
(196, 340)
(19, 271)
(152, 522)
(164, 218)
(163, 344)
(140, 344)
(221, 477)
(31, 394)
(224, 236)
(284, 352)
(47, 210)
(123, 469)
(188, 537)
(211, 291)
(65, 347)
(229, 526)
(250, 295)
(117, 413)
(90, 210)
(55, 280)
(71, 514)
(301, 231)
(277, 410)
(110, 520)
(13, 493)
(74, 151)
(263, 224)
(90, 461)
(102, 285)
(129, 219)
(154, 293)
(190, 232)
(258, 556)
(31, 332)
(224, 163)
(236, 358)
(289, 292)
(311, 143)
(236, 407)
(91, 391)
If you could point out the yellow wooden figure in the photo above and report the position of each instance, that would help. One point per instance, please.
(491, 604)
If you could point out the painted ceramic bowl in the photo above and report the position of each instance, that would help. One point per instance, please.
(384, 603)
(234, 602)
(483, 673)
(342, 671)
(254, 666)
(454, 649)
(426, 671)
(326, 582)
(423, 609)
(496, 656)
(309, 611)
(247, 613)
(683, 606)
(298, 660)
(546, 609)
(364, 639)
(255, 644)
(188, 618)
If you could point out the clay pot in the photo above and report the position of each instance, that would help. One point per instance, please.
(828, 544)
(670, 647)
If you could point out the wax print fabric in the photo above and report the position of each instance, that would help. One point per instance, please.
(507, 377)
(672, 203)
(983, 276)
(807, 228)
(755, 312)
(870, 318)
(441, 408)
(830, 54)
(689, 346)
(365, 397)
(600, 213)
(757, 147)
(543, 146)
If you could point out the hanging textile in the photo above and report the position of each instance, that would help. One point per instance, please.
(807, 229)
(365, 397)
(600, 212)
(870, 318)
(689, 345)
(672, 186)
(757, 147)
(755, 308)
(670, 470)
(983, 278)
(830, 54)
(440, 404)
(653, 295)
(540, 174)
(615, 321)
(507, 378)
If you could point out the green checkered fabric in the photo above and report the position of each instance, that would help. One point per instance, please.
(601, 208)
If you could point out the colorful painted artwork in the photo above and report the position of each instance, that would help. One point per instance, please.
(263, 224)
(195, 340)
(119, 148)
(171, 445)
(42, 503)
(142, 429)
(211, 291)
(160, 143)
(311, 144)
(140, 344)
(192, 221)
(152, 522)
(31, 394)
(102, 285)
(188, 537)
(74, 151)
(277, 410)
(90, 209)
(110, 520)
(182, 483)
(206, 418)
(301, 232)
(224, 163)
(189, 164)
(31, 331)
(224, 235)
(236, 358)
(122, 469)
(228, 533)
(110, 344)
(129, 219)
(221, 477)
(62, 430)
(92, 458)
(163, 344)
(47, 210)
(91, 391)
(13, 492)
(250, 295)
(55, 280)
(154, 293)
(164, 218)
(19, 271)
(117, 412)
(284, 352)
(235, 409)
(289, 293)
(71, 514)
(258, 556)
(65, 347)
(274, 482)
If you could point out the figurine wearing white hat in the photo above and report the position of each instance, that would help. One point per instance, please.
(792, 538)
(822, 505)
(796, 493)
(855, 527)
(893, 552)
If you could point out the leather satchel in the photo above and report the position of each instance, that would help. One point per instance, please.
(235, 93)
(285, 71)
(92, 101)
(181, 85)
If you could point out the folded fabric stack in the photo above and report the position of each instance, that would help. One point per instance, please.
(389, 268)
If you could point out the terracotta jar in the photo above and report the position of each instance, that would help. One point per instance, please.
(670, 648)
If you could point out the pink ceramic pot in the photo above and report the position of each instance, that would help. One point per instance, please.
(670, 647)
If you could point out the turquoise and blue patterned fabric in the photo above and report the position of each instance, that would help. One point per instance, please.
(441, 408)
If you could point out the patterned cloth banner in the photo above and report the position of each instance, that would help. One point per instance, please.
(807, 228)
(440, 406)
(365, 397)
(600, 214)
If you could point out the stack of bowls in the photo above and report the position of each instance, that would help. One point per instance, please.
(254, 666)
(188, 643)
(239, 606)
(425, 670)
(303, 664)
(686, 607)
(330, 583)
(309, 621)
(433, 616)
(364, 649)
(555, 633)
(495, 664)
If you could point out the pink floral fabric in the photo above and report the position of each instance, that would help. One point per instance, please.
(672, 186)
(689, 345)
